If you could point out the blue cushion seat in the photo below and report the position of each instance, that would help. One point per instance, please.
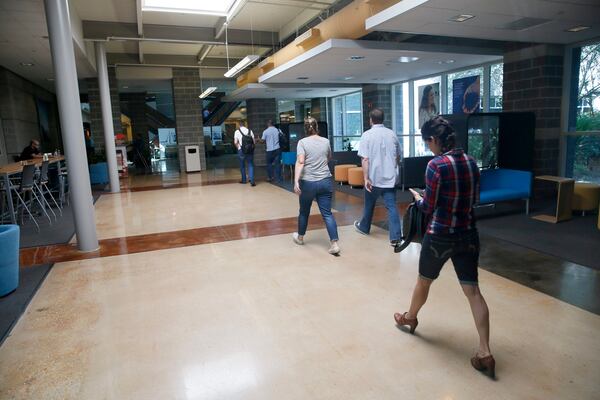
(9, 258)
(504, 184)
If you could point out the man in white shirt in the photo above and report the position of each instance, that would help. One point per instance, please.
(270, 137)
(381, 153)
(243, 139)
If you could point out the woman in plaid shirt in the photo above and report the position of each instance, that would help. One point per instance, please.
(452, 188)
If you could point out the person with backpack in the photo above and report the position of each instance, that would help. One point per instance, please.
(313, 182)
(270, 136)
(244, 142)
(451, 190)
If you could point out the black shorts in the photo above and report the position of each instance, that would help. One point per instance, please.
(462, 248)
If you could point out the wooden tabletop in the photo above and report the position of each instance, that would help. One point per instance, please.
(15, 168)
(559, 179)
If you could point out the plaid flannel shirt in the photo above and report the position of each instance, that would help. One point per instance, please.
(452, 188)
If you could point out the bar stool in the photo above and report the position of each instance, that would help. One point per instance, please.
(42, 184)
(26, 190)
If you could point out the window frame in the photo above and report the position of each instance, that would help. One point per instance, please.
(334, 116)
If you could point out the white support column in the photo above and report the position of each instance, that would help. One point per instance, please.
(67, 93)
(107, 119)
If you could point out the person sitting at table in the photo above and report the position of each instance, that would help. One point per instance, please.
(32, 151)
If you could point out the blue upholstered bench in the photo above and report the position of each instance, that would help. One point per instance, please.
(498, 185)
(9, 258)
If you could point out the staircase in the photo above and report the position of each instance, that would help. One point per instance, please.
(219, 110)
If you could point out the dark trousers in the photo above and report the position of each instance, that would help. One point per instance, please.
(243, 159)
(389, 199)
(274, 161)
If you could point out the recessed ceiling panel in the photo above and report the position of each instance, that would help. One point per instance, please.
(494, 20)
(359, 61)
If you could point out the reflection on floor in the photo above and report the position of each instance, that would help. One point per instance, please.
(189, 307)
(266, 319)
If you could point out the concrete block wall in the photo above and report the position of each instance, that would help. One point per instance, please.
(377, 96)
(258, 111)
(188, 112)
(318, 108)
(18, 111)
(96, 125)
(533, 81)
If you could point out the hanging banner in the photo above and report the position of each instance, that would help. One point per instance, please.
(465, 95)
(429, 103)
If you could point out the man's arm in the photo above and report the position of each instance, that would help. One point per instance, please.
(365, 168)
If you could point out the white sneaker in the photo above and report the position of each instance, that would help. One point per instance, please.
(297, 239)
(334, 249)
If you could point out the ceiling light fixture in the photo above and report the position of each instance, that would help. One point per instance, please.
(445, 62)
(355, 58)
(302, 78)
(461, 18)
(347, 78)
(407, 59)
(578, 28)
(26, 64)
(241, 65)
(207, 92)
(206, 7)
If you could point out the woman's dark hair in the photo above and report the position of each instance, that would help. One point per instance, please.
(425, 99)
(438, 127)
(311, 127)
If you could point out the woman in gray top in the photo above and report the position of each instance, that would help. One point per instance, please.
(313, 181)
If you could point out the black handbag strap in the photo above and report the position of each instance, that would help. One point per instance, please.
(417, 227)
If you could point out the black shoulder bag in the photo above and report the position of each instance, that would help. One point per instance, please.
(414, 227)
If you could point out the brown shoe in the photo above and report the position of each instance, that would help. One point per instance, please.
(486, 365)
(401, 320)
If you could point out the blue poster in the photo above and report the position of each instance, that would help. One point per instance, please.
(465, 95)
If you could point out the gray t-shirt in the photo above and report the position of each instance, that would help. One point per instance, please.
(316, 152)
(381, 146)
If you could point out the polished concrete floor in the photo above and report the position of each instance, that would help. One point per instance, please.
(250, 315)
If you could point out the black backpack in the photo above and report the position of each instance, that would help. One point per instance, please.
(283, 142)
(414, 227)
(247, 143)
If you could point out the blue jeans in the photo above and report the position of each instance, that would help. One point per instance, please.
(273, 161)
(389, 198)
(243, 158)
(322, 191)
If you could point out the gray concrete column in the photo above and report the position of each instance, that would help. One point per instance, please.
(107, 122)
(67, 93)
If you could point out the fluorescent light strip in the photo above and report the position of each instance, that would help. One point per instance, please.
(205, 7)
(207, 92)
(578, 28)
(241, 65)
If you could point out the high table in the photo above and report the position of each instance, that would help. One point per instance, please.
(16, 168)
(564, 198)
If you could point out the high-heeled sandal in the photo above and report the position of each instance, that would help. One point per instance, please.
(486, 365)
(401, 320)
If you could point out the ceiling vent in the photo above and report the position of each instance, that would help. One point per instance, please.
(524, 23)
